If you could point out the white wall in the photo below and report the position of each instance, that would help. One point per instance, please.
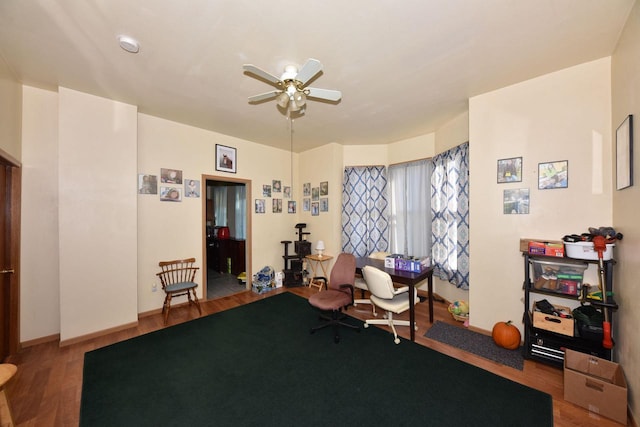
(559, 116)
(40, 282)
(10, 113)
(97, 213)
(625, 65)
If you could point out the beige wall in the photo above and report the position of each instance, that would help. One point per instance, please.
(625, 70)
(559, 116)
(168, 230)
(10, 113)
(97, 229)
(40, 281)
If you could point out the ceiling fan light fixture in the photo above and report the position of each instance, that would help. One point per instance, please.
(283, 100)
(300, 98)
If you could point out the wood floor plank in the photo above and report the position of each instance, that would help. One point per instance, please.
(47, 388)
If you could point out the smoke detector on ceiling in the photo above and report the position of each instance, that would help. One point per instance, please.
(129, 44)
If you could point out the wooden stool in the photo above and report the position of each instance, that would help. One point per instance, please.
(7, 371)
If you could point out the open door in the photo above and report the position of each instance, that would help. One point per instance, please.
(226, 235)
(10, 184)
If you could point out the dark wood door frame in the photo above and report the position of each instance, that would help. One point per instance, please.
(10, 255)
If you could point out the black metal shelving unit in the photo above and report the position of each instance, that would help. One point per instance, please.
(547, 346)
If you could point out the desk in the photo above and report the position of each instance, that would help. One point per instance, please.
(406, 278)
(318, 261)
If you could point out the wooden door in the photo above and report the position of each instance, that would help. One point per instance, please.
(9, 255)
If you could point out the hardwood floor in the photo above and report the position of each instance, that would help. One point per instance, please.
(46, 390)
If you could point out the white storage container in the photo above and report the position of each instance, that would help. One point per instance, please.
(584, 250)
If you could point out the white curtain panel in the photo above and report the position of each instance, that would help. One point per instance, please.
(410, 195)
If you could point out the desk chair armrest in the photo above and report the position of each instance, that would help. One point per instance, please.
(351, 290)
(401, 290)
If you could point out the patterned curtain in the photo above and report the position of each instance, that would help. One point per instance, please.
(365, 218)
(450, 212)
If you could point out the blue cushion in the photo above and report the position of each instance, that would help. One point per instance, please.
(176, 287)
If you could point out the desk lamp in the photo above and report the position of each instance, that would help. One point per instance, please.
(320, 248)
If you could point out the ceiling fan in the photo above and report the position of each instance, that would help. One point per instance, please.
(292, 91)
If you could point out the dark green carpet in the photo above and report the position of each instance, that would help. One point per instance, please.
(257, 365)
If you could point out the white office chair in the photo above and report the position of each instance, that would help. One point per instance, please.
(387, 297)
(361, 284)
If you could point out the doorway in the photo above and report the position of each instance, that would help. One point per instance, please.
(227, 236)
(10, 188)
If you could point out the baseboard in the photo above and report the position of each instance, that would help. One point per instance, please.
(98, 334)
(41, 340)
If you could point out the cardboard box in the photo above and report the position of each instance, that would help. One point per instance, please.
(413, 265)
(554, 249)
(595, 384)
(524, 244)
(557, 324)
(390, 261)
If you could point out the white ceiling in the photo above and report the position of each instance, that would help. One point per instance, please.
(404, 67)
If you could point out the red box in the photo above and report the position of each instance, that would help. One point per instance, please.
(536, 248)
(554, 249)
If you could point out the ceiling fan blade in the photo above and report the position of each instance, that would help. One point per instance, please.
(308, 71)
(252, 69)
(328, 94)
(264, 96)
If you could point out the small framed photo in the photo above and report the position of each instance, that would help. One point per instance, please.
(306, 204)
(286, 192)
(516, 201)
(191, 188)
(324, 188)
(277, 205)
(510, 170)
(226, 158)
(170, 194)
(324, 204)
(260, 203)
(266, 190)
(277, 186)
(291, 206)
(624, 154)
(553, 175)
(315, 208)
(147, 184)
(306, 189)
(315, 194)
(170, 176)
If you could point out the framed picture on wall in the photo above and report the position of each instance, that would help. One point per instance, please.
(510, 170)
(553, 175)
(624, 154)
(226, 160)
(516, 201)
(170, 194)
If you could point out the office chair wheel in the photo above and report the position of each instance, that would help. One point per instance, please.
(397, 341)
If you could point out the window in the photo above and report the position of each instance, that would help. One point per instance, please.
(410, 195)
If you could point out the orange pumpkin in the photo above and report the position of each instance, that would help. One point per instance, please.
(506, 335)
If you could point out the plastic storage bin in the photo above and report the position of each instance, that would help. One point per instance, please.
(562, 277)
(585, 250)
